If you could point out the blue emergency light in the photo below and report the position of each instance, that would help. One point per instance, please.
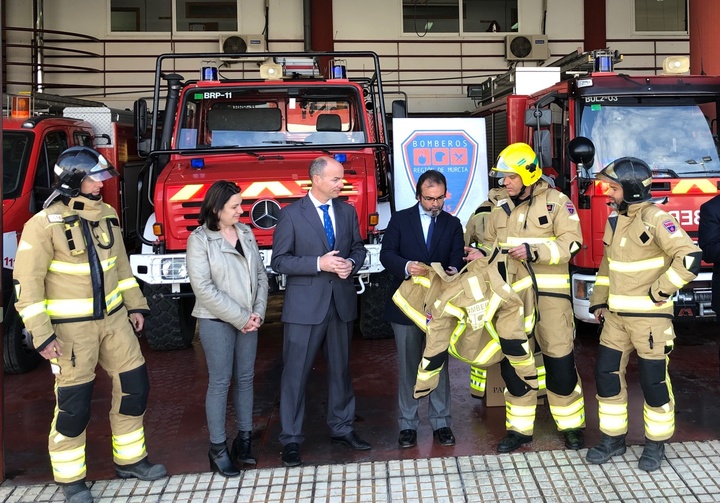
(197, 163)
(340, 157)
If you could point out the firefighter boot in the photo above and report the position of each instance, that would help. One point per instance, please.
(607, 448)
(652, 455)
(77, 492)
(512, 441)
(241, 448)
(142, 470)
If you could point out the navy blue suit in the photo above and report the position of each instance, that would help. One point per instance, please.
(404, 241)
(709, 242)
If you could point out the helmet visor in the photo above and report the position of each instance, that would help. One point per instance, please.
(101, 171)
(501, 169)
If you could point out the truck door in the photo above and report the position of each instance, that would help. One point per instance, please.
(54, 144)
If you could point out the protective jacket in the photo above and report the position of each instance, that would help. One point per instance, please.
(648, 257)
(68, 280)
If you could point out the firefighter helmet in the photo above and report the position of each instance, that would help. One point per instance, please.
(73, 166)
(519, 159)
(633, 175)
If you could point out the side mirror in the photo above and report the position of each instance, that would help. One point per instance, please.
(140, 123)
(581, 151)
(399, 109)
(537, 118)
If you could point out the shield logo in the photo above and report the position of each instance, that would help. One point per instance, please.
(670, 226)
(452, 153)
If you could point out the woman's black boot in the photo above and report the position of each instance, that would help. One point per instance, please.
(241, 448)
(220, 461)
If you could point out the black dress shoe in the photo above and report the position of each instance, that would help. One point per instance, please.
(512, 441)
(574, 439)
(444, 436)
(291, 455)
(351, 440)
(221, 463)
(407, 438)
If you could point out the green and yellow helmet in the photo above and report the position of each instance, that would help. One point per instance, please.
(519, 159)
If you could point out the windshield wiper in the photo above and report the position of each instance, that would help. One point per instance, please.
(287, 142)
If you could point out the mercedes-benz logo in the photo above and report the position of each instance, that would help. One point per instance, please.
(265, 213)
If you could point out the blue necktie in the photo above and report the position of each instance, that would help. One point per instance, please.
(431, 229)
(327, 224)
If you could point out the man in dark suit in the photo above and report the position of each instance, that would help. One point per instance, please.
(416, 237)
(709, 242)
(317, 245)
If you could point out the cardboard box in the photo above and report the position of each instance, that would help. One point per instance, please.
(495, 387)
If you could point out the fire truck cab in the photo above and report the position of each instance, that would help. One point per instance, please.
(262, 134)
(666, 120)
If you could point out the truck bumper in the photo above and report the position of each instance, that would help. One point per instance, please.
(691, 303)
(172, 268)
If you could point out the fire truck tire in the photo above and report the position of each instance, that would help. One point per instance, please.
(170, 324)
(372, 307)
(19, 355)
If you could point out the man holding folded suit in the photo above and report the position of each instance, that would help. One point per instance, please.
(317, 245)
(416, 237)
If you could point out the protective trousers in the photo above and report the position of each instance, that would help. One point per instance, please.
(554, 331)
(652, 338)
(112, 343)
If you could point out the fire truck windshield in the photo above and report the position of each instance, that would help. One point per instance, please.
(270, 117)
(674, 140)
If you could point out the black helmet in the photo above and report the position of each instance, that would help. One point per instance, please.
(633, 175)
(73, 166)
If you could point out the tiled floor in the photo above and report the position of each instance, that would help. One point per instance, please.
(469, 471)
(690, 473)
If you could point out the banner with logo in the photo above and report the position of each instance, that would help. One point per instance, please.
(456, 147)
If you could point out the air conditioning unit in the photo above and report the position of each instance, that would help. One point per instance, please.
(240, 48)
(526, 48)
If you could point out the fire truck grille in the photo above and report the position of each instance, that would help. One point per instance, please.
(265, 213)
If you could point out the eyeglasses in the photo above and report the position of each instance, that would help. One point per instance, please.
(433, 199)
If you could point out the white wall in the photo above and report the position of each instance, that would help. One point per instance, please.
(434, 70)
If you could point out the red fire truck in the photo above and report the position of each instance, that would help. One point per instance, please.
(31, 145)
(262, 134)
(662, 119)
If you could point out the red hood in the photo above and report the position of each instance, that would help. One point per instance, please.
(266, 185)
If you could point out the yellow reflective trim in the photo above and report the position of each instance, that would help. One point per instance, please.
(127, 284)
(68, 465)
(554, 253)
(454, 311)
(513, 241)
(415, 316)
(638, 265)
(129, 446)
(635, 302)
(186, 192)
(675, 278)
(421, 280)
(517, 417)
(67, 308)
(613, 418)
(553, 280)
(82, 268)
(32, 310)
(684, 186)
(487, 353)
(275, 188)
(113, 299)
(492, 307)
(602, 281)
(522, 284)
(475, 289)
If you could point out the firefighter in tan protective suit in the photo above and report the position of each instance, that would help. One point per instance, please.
(538, 230)
(77, 297)
(648, 257)
(474, 233)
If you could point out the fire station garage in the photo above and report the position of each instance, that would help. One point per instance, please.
(179, 94)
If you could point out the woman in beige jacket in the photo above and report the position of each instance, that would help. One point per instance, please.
(230, 284)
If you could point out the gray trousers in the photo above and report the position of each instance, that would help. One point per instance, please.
(300, 347)
(410, 340)
(228, 353)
